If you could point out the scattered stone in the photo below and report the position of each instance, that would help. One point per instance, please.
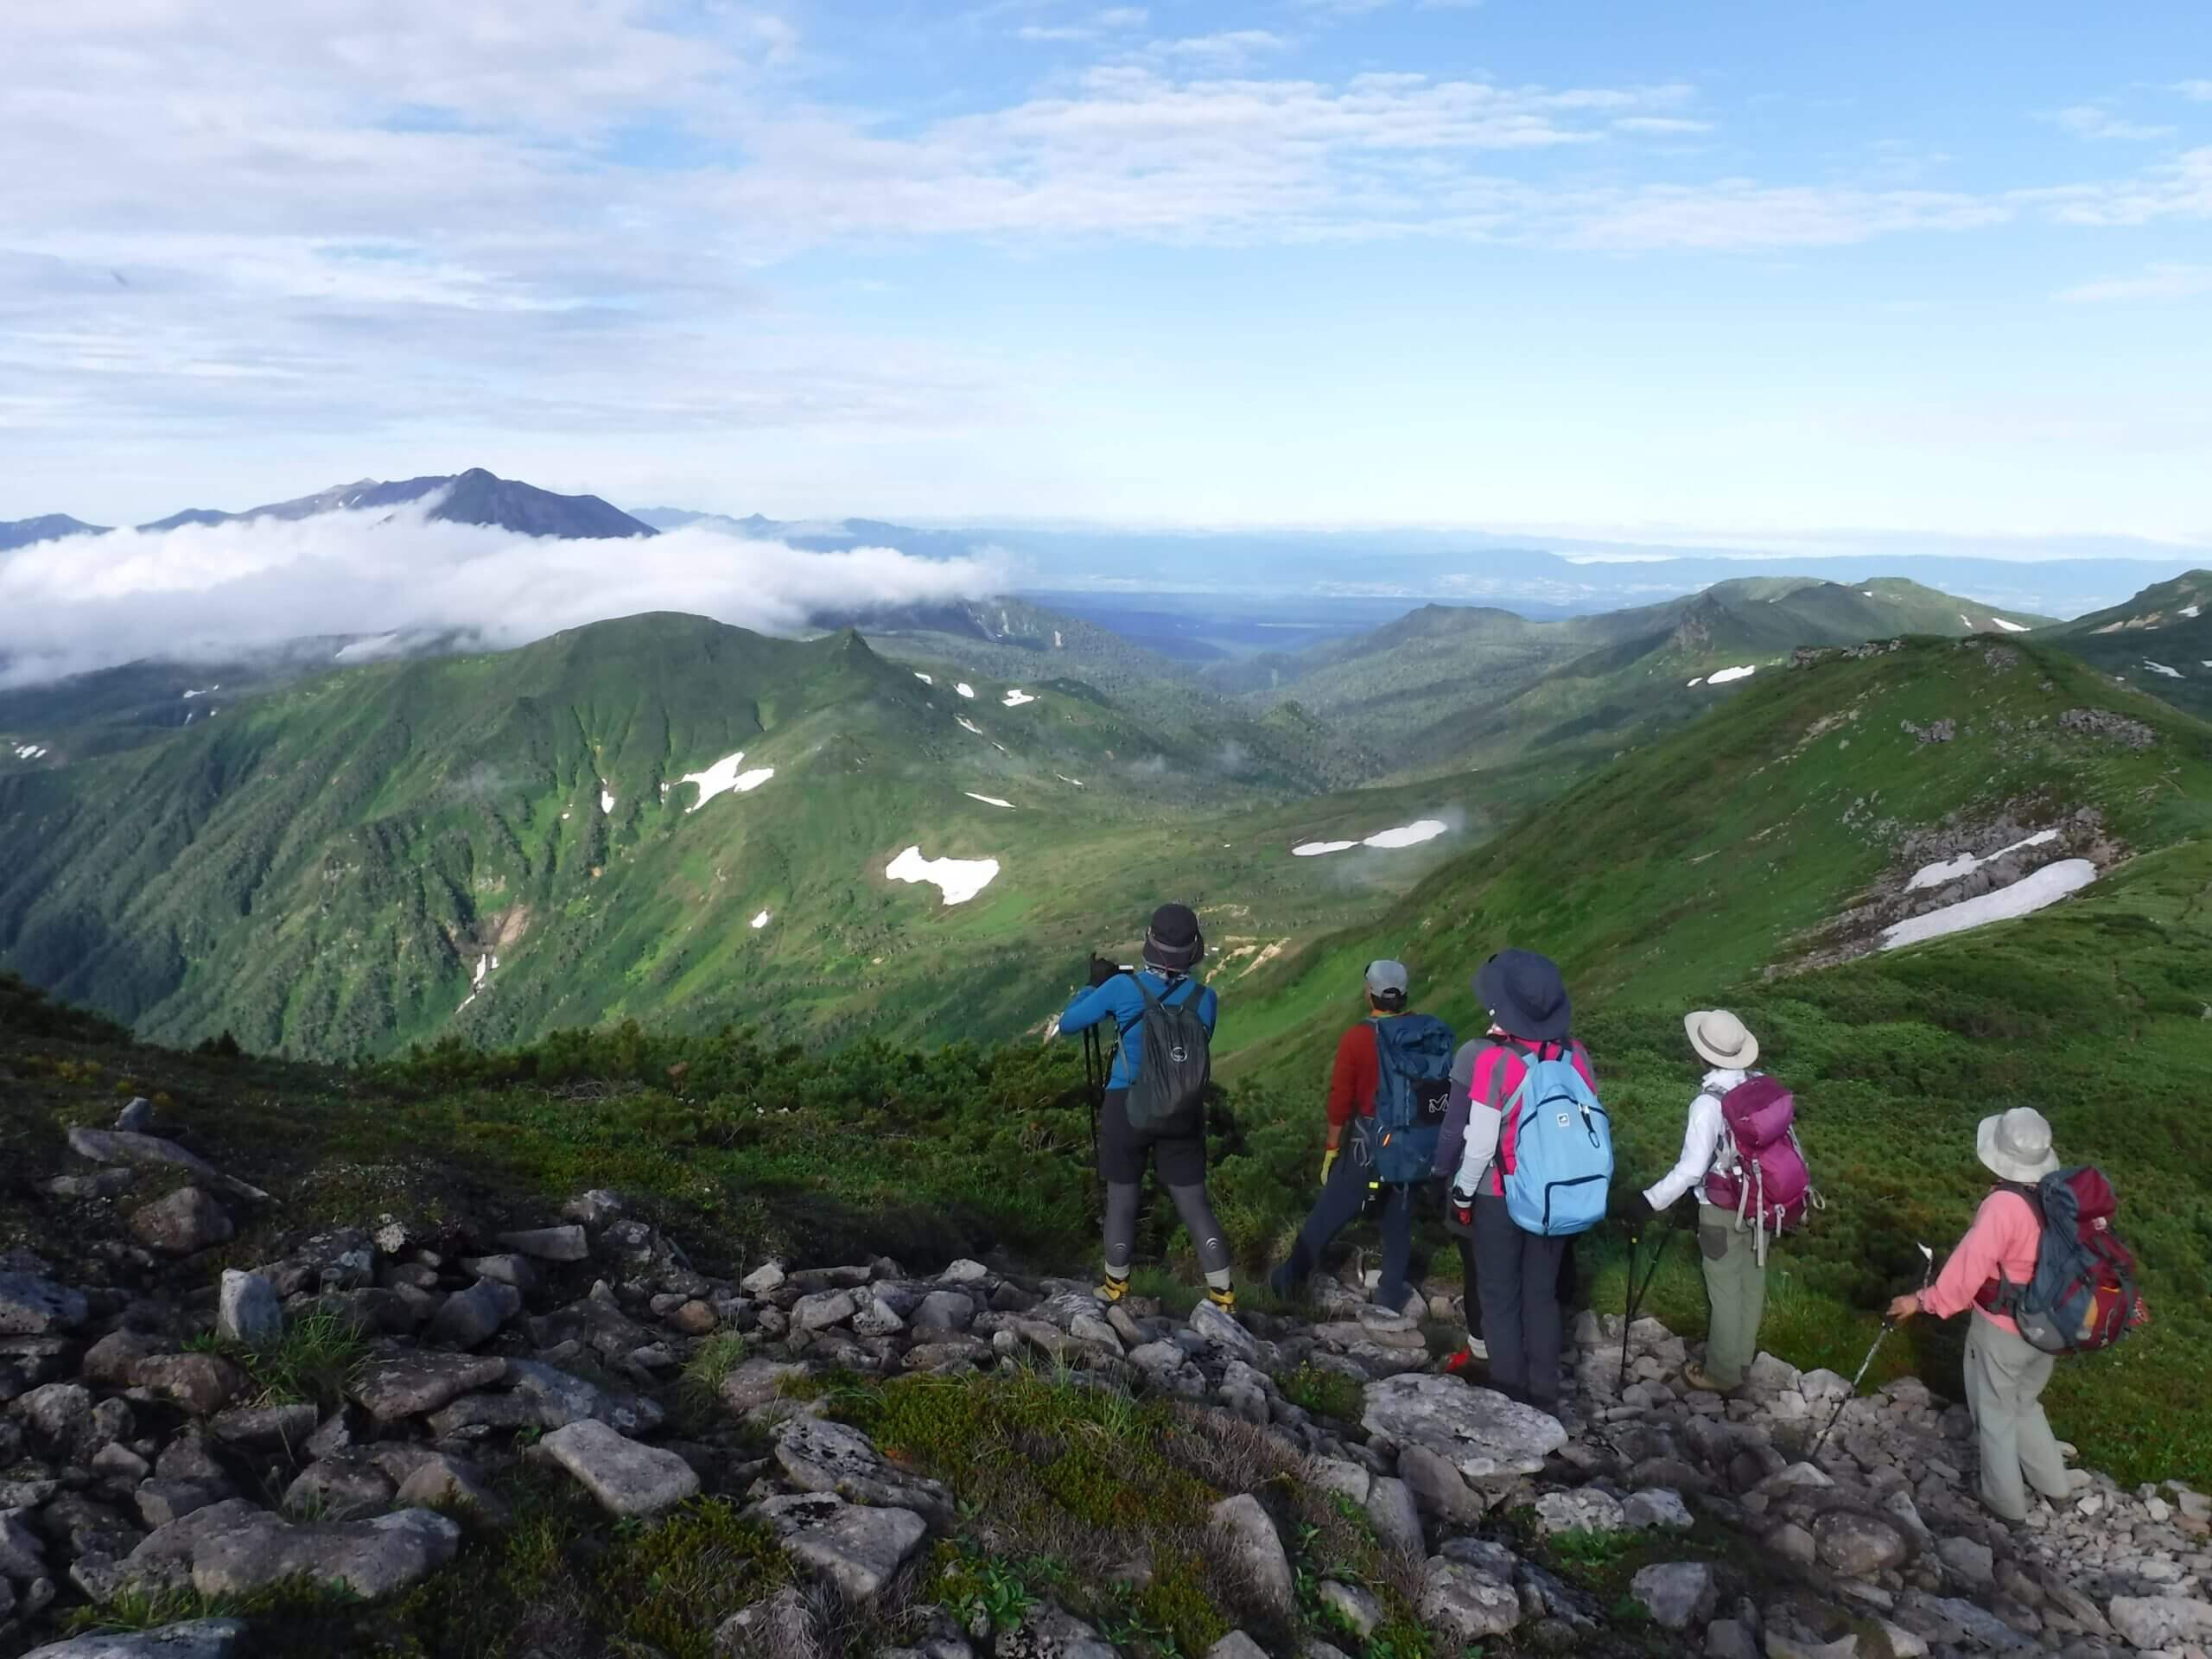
(444, 1482)
(1467, 1606)
(1395, 1517)
(339, 1489)
(58, 1413)
(627, 1479)
(1438, 1486)
(1583, 1510)
(151, 1152)
(1237, 1645)
(31, 1305)
(1357, 1607)
(267, 1429)
(186, 1222)
(824, 1309)
(161, 1502)
(1252, 1554)
(2154, 1623)
(508, 1270)
(1340, 1476)
(247, 1312)
(943, 1310)
(1970, 1560)
(201, 1384)
(198, 1638)
(409, 1384)
(768, 1277)
(694, 1318)
(371, 1559)
(470, 1318)
(820, 1456)
(1730, 1639)
(566, 1243)
(1858, 1545)
(858, 1550)
(1484, 1434)
(1221, 1329)
(1677, 1594)
(1779, 1646)
(1658, 1511)
(1981, 1626)
(756, 1381)
(136, 1115)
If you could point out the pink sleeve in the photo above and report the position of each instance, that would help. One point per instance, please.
(1582, 1065)
(1995, 1235)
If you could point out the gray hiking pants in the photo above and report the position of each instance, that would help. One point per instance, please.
(1516, 1277)
(1735, 1284)
(1346, 1194)
(2006, 1377)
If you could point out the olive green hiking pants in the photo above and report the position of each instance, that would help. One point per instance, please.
(1735, 1284)
(2005, 1377)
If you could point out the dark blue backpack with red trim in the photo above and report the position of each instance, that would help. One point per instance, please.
(2081, 1296)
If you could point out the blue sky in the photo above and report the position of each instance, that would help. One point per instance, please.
(1712, 272)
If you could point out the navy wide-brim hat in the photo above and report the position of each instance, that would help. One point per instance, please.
(1526, 996)
(1174, 942)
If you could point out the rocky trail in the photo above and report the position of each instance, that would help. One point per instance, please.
(156, 1460)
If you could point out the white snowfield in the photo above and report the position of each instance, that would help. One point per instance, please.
(2046, 886)
(30, 752)
(964, 688)
(205, 691)
(1696, 682)
(1934, 875)
(1967, 623)
(958, 879)
(723, 776)
(2190, 611)
(606, 798)
(923, 678)
(2010, 627)
(761, 921)
(2160, 668)
(1016, 698)
(969, 725)
(987, 800)
(1057, 646)
(1405, 834)
(1728, 676)
(1078, 782)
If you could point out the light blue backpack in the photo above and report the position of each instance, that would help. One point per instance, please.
(1562, 1143)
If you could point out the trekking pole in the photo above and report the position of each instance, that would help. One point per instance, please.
(1635, 1292)
(1094, 1083)
(1880, 1336)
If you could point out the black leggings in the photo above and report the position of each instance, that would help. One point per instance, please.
(1181, 1160)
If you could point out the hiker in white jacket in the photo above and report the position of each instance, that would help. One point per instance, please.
(1735, 1277)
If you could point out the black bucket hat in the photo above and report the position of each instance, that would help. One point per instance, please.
(1173, 942)
(1526, 996)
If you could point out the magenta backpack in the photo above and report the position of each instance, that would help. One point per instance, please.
(1767, 1183)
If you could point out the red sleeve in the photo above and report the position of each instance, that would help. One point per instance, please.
(1352, 1080)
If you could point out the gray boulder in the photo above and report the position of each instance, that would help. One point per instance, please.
(756, 1382)
(567, 1243)
(1467, 1604)
(1677, 1594)
(824, 1309)
(538, 1396)
(1438, 1487)
(440, 1481)
(1220, 1328)
(1968, 1559)
(22, 1552)
(626, 1478)
(1237, 1645)
(1583, 1510)
(1484, 1434)
(264, 1428)
(509, 1269)
(151, 1152)
(59, 1414)
(247, 1312)
(136, 1115)
(1659, 1509)
(201, 1384)
(198, 1638)
(410, 1384)
(469, 1318)
(32, 1306)
(819, 1456)
(371, 1559)
(1395, 1517)
(943, 1310)
(1859, 1545)
(1251, 1553)
(2162, 1621)
(185, 1222)
(342, 1488)
(858, 1550)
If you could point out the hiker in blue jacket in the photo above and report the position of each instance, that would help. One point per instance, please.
(1172, 946)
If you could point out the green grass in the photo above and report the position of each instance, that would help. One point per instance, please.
(313, 1361)
(1325, 1394)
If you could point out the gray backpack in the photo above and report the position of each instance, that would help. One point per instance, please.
(1167, 1095)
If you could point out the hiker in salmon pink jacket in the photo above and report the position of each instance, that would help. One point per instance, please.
(1735, 1278)
(2005, 1375)
(1512, 1276)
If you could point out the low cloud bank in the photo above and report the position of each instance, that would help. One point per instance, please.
(209, 592)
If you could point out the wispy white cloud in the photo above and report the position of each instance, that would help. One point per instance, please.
(2095, 121)
(224, 589)
(1054, 32)
(1664, 125)
(2162, 282)
(2200, 91)
(1122, 17)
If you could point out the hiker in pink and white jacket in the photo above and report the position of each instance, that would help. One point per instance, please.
(2004, 1374)
(1735, 1272)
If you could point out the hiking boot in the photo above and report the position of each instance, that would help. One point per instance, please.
(1462, 1363)
(1697, 1380)
(1224, 1300)
(1111, 1291)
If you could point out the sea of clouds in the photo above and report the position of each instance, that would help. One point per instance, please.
(207, 592)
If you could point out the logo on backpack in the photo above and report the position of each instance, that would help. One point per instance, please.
(1168, 1091)
(1762, 1173)
(1558, 1164)
(1412, 1096)
(2081, 1296)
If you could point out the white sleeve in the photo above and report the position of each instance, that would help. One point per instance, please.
(1483, 1124)
(1700, 1142)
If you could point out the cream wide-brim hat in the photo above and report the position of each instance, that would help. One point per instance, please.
(2016, 1145)
(1719, 1039)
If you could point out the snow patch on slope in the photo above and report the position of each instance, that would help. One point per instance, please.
(1728, 676)
(964, 688)
(723, 776)
(2010, 627)
(958, 879)
(761, 921)
(2160, 668)
(923, 678)
(987, 800)
(606, 798)
(1015, 699)
(1936, 875)
(1408, 835)
(1315, 848)
(2046, 886)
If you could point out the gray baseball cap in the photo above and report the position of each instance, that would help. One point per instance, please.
(1386, 976)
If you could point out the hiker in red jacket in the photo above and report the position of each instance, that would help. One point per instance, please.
(2004, 1374)
(1512, 1278)
(1350, 1178)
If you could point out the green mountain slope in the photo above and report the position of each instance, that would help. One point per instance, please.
(2160, 641)
(326, 868)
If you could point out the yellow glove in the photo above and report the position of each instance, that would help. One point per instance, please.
(1328, 1161)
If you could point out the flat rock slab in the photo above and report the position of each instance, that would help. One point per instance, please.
(549, 1244)
(187, 1221)
(856, 1549)
(201, 1638)
(1251, 1553)
(627, 1479)
(201, 1384)
(538, 1396)
(1484, 1434)
(152, 1152)
(2155, 1622)
(1467, 1604)
(399, 1385)
(756, 1382)
(1677, 1594)
(818, 1456)
(1220, 1328)
(371, 1559)
(31, 1305)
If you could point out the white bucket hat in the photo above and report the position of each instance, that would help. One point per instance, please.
(1719, 1037)
(2016, 1145)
